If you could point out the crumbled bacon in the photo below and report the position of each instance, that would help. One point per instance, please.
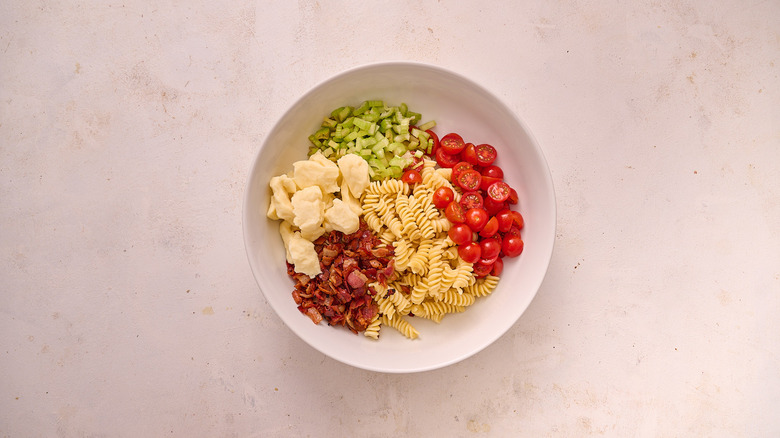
(341, 294)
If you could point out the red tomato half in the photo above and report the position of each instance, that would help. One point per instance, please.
(498, 267)
(469, 154)
(411, 176)
(512, 197)
(492, 207)
(471, 200)
(490, 229)
(493, 172)
(469, 180)
(459, 168)
(470, 252)
(476, 218)
(486, 154)
(518, 219)
(490, 248)
(442, 197)
(452, 143)
(499, 191)
(460, 234)
(482, 269)
(505, 220)
(512, 246)
(454, 213)
(488, 181)
(444, 159)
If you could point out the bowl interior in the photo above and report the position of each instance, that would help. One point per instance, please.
(457, 105)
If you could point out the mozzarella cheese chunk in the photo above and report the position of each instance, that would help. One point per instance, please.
(317, 171)
(354, 171)
(341, 218)
(304, 256)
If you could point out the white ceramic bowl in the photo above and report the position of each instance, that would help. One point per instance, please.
(457, 105)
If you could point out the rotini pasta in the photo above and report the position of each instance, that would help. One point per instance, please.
(402, 325)
(372, 331)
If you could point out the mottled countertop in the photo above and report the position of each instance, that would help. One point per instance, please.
(127, 306)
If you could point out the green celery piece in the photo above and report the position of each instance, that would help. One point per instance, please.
(428, 125)
(360, 109)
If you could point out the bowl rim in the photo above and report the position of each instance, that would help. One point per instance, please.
(547, 257)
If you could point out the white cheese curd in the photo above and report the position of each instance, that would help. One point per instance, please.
(304, 256)
(317, 171)
(281, 207)
(352, 201)
(354, 171)
(341, 218)
(309, 208)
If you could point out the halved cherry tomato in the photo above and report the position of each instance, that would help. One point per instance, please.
(493, 207)
(486, 154)
(452, 143)
(443, 196)
(469, 180)
(470, 252)
(459, 168)
(490, 228)
(514, 230)
(476, 218)
(505, 220)
(488, 181)
(469, 154)
(454, 213)
(493, 172)
(512, 196)
(490, 248)
(435, 139)
(460, 234)
(482, 269)
(512, 246)
(412, 176)
(499, 191)
(471, 200)
(498, 267)
(444, 159)
(518, 219)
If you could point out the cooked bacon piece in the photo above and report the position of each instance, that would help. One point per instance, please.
(314, 315)
(357, 279)
(340, 294)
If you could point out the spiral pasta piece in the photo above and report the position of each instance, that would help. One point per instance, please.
(402, 325)
(372, 331)
(483, 286)
(456, 298)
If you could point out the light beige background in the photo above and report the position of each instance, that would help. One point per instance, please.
(127, 307)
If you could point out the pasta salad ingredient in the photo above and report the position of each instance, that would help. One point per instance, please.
(385, 136)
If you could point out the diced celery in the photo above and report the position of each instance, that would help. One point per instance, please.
(402, 137)
(360, 109)
(329, 123)
(428, 125)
